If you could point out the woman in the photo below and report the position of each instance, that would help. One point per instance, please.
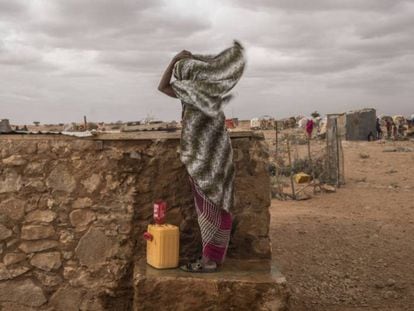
(202, 84)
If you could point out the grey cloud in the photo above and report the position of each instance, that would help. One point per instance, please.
(384, 48)
(315, 66)
(24, 58)
(322, 5)
(13, 59)
(135, 60)
(11, 7)
(380, 84)
(390, 27)
(112, 25)
(62, 59)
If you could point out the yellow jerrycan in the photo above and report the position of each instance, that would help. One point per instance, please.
(163, 240)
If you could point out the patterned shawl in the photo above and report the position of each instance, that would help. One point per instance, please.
(202, 84)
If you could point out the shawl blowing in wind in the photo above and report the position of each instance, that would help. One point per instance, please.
(202, 84)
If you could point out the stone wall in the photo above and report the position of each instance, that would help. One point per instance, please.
(72, 213)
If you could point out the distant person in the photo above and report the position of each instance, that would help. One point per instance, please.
(370, 136)
(394, 130)
(378, 128)
(202, 84)
(401, 129)
(388, 125)
(309, 128)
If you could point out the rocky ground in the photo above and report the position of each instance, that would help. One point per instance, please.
(353, 249)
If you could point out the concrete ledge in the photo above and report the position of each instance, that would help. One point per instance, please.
(123, 136)
(154, 135)
(240, 285)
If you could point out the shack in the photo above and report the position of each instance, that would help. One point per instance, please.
(354, 125)
(360, 123)
(5, 126)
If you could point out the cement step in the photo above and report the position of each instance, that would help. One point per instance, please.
(239, 285)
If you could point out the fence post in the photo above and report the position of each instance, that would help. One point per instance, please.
(291, 170)
(311, 166)
(276, 140)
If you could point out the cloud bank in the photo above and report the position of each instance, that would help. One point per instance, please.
(60, 60)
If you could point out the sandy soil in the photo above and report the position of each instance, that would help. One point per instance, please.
(353, 249)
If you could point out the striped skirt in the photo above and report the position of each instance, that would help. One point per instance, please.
(215, 225)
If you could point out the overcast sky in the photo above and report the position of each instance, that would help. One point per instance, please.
(62, 59)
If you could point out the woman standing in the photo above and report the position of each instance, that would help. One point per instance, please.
(202, 84)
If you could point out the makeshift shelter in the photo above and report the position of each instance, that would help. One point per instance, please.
(5, 126)
(354, 125)
(360, 123)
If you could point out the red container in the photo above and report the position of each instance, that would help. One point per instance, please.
(160, 209)
(230, 124)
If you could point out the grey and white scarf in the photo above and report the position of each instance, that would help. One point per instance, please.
(203, 84)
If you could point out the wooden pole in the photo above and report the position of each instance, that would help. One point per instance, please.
(338, 173)
(85, 123)
(276, 162)
(291, 170)
(311, 165)
(276, 141)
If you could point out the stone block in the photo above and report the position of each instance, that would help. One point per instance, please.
(66, 237)
(48, 279)
(12, 208)
(43, 147)
(10, 306)
(15, 272)
(92, 183)
(61, 179)
(34, 168)
(37, 246)
(37, 185)
(82, 203)
(4, 272)
(12, 258)
(12, 242)
(111, 182)
(37, 232)
(47, 261)
(10, 181)
(94, 248)
(92, 302)
(5, 232)
(14, 160)
(23, 292)
(81, 218)
(66, 298)
(41, 216)
(253, 224)
(240, 285)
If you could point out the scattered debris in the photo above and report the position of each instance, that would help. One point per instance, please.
(364, 155)
(398, 149)
(391, 171)
(302, 178)
(303, 196)
(328, 188)
(393, 185)
(362, 179)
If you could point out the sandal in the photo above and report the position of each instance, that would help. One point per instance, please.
(198, 267)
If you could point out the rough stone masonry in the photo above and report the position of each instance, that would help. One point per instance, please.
(72, 213)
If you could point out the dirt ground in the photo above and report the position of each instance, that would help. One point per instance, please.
(353, 249)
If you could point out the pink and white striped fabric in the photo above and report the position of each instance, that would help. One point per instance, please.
(215, 225)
